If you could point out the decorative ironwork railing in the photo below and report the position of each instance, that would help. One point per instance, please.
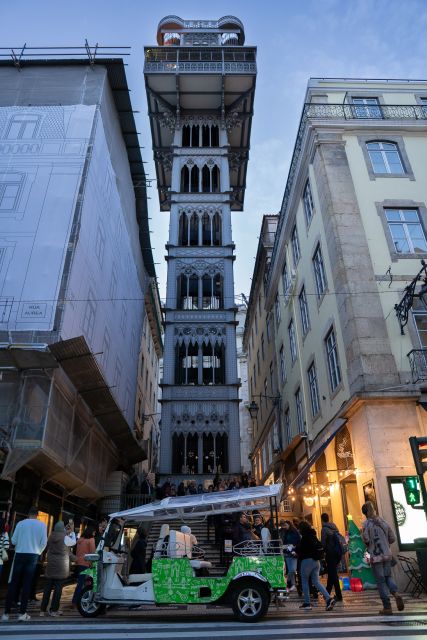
(418, 362)
(338, 112)
(200, 60)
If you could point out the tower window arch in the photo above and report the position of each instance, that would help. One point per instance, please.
(185, 179)
(210, 179)
(188, 292)
(194, 179)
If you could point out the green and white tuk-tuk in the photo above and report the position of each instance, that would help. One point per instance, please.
(179, 574)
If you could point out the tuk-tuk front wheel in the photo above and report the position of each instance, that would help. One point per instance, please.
(250, 600)
(87, 606)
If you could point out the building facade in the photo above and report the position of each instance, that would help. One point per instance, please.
(351, 233)
(242, 373)
(75, 266)
(200, 83)
(258, 342)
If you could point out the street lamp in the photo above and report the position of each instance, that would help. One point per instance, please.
(402, 309)
(253, 409)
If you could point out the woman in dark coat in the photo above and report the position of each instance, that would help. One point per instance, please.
(57, 569)
(310, 552)
(138, 552)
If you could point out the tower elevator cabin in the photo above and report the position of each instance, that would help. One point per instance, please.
(200, 83)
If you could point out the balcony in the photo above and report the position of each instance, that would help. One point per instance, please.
(200, 60)
(418, 362)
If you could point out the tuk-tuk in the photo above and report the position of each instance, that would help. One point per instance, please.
(179, 574)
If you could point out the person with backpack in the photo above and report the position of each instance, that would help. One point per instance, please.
(378, 536)
(310, 551)
(331, 542)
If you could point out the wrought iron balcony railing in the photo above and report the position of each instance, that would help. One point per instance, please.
(200, 60)
(418, 362)
(340, 113)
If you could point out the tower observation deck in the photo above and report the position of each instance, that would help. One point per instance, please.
(200, 83)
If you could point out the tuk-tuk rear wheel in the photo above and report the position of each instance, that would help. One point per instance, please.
(250, 600)
(87, 606)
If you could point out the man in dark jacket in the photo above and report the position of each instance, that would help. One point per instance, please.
(333, 553)
(242, 531)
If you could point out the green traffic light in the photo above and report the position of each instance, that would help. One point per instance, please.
(412, 493)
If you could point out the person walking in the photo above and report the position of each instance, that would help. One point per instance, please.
(310, 552)
(4, 544)
(378, 536)
(138, 552)
(333, 553)
(57, 570)
(29, 540)
(85, 544)
(290, 538)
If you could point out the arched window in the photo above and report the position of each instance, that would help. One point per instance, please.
(178, 453)
(221, 451)
(214, 136)
(216, 230)
(188, 292)
(208, 453)
(186, 136)
(210, 136)
(194, 179)
(215, 180)
(206, 179)
(185, 179)
(212, 292)
(186, 364)
(194, 230)
(195, 133)
(213, 365)
(192, 453)
(183, 230)
(385, 157)
(207, 230)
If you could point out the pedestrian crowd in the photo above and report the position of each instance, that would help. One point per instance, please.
(303, 551)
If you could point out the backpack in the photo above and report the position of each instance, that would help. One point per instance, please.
(336, 544)
(318, 550)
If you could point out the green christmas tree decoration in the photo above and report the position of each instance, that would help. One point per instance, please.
(358, 566)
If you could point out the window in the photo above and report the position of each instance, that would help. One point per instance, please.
(308, 203)
(286, 281)
(319, 272)
(106, 342)
(420, 319)
(272, 386)
(22, 127)
(262, 347)
(296, 252)
(406, 231)
(268, 326)
(385, 157)
(265, 392)
(366, 108)
(288, 426)
(100, 243)
(292, 341)
(113, 285)
(259, 306)
(314, 391)
(123, 319)
(303, 308)
(282, 365)
(423, 102)
(257, 361)
(256, 322)
(254, 376)
(88, 322)
(299, 410)
(277, 308)
(332, 359)
(9, 191)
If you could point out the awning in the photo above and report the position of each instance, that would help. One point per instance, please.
(321, 442)
(81, 366)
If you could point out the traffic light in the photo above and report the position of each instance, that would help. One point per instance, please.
(419, 452)
(412, 492)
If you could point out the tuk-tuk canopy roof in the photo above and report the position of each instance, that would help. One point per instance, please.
(204, 504)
